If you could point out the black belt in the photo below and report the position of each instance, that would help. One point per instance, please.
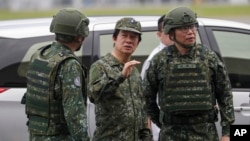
(170, 118)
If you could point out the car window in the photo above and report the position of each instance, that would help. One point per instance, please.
(13, 58)
(198, 39)
(234, 48)
(22, 68)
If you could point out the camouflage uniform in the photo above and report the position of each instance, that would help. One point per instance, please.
(188, 125)
(56, 83)
(190, 80)
(119, 102)
(70, 91)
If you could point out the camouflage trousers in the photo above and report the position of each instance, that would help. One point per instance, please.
(189, 132)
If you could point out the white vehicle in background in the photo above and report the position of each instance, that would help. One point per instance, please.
(20, 38)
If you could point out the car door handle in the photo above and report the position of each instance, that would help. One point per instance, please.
(239, 109)
(244, 109)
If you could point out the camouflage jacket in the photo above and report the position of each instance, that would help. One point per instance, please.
(70, 90)
(220, 80)
(119, 102)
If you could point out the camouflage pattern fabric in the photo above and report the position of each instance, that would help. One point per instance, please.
(156, 75)
(119, 102)
(128, 24)
(69, 88)
(185, 132)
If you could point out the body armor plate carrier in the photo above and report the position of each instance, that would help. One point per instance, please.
(43, 109)
(186, 86)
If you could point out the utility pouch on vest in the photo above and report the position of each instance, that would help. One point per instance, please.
(47, 128)
(35, 127)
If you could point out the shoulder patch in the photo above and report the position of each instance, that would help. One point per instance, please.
(77, 81)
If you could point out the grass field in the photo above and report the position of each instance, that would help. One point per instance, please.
(202, 11)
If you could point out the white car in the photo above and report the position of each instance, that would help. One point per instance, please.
(20, 38)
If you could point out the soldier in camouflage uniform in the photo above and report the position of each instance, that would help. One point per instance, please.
(115, 89)
(56, 83)
(189, 79)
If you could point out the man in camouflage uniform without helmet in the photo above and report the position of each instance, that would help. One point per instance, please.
(56, 86)
(189, 79)
(115, 89)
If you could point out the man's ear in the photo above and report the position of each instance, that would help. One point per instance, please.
(80, 39)
(158, 33)
(114, 39)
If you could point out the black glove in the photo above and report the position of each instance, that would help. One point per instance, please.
(145, 135)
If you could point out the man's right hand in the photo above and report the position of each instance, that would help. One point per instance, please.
(128, 67)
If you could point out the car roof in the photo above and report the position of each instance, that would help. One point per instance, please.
(223, 23)
(24, 28)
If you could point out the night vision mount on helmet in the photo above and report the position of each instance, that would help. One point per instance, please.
(70, 22)
(179, 17)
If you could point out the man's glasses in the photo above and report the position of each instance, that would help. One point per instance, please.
(185, 29)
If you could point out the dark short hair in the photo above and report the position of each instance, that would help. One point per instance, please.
(64, 38)
(160, 22)
(116, 32)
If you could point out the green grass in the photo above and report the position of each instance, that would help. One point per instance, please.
(221, 11)
(202, 11)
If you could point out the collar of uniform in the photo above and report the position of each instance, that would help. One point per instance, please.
(190, 54)
(112, 61)
(61, 46)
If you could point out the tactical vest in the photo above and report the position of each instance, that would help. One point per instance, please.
(44, 110)
(187, 84)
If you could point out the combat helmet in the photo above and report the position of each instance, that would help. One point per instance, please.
(179, 17)
(70, 22)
